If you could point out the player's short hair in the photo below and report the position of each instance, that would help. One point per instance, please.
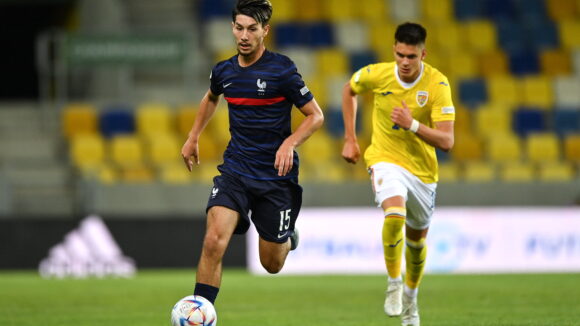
(260, 10)
(411, 34)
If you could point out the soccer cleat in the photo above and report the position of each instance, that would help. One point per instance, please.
(410, 314)
(393, 305)
(294, 239)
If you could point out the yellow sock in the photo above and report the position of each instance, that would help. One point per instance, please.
(393, 239)
(415, 255)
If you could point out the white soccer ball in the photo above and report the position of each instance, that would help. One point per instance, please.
(193, 310)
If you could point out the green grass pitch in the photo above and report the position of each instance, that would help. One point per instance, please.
(247, 300)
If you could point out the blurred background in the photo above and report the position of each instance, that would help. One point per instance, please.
(97, 98)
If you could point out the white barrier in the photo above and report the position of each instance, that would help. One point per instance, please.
(460, 240)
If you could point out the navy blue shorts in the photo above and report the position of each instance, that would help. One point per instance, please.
(272, 205)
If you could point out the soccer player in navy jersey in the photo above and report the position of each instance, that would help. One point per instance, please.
(258, 179)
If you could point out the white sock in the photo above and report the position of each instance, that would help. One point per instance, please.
(396, 279)
(411, 293)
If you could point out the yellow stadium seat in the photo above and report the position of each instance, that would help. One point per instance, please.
(556, 62)
(556, 172)
(504, 90)
(382, 39)
(462, 65)
(467, 147)
(139, 173)
(441, 10)
(339, 10)
(570, 33)
(218, 127)
(543, 147)
(481, 35)
(561, 9)
(206, 171)
(107, 174)
(436, 60)
(185, 118)
(126, 151)
(87, 151)
(505, 148)
(572, 148)
(153, 118)
(372, 11)
(332, 62)
(320, 148)
(448, 172)
(479, 172)
(462, 124)
(317, 86)
(517, 172)
(175, 173)
(285, 11)
(307, 10)
(78, 119)
(537, 92)
(449, 36)
(491, 121)
(163, 149)
(493, 63)
(209, 149)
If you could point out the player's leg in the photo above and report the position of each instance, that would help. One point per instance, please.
(392, 234)
(221, 223)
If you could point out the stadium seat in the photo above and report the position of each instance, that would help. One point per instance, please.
(285, 11)
(154, 118)
(209, 148)
(572, 148)
(555, 62)
(214, 8)
(556, 172)
(561, 10)
(532, 10)
(448, 172)
(319, 34)
(319, 148)
(491, 121)
(449, 37)
(479, 172)
(566, 92)
(503, 90)
(381, 32)
(542, 147)
(463, 118)
(504, 148)
(373, 11)
(126, 151)
(537, 92)
(441, 10)
(338, 11)
(116, 120)
(467, 147)
(462, 65)
(304, 59)
(163, 149)
(481, 35)
(493, 63)
(512, 36)
(542, 34)
(566, 121)
(309, 11)
(351, 36)
(185, 117)
(468, 9)
(79, 119)
(472, 92)
(317, 86)
(501, 9)
(405, 10)
(289, 34)
(216, 28)
(517, 172)
(361, 59)
(175, 173)
(528, 120)
(87, 151)
(570, 33)
(524, 62)
(332, 62)
(136, 174)
(576, 61)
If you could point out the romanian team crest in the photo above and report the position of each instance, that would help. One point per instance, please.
(422, 97)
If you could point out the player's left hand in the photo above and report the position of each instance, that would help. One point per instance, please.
(402, 116)
(284, 159)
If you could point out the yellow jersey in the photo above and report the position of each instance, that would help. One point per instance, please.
(428, 98)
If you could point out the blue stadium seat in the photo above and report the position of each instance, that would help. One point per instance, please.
(566, 122)
(473, 92)
(532, 10)
(334, 122)
(117, 120)
(361, 59)
(511, 36)
(215, 8)
(524, 62)
(528, 120)
(319, 34)
(500, 9)
(289, 34)
(542, 34)
(468, 9)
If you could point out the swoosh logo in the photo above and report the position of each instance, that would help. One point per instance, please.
(226, 85)
(281, 235)
(443, 83)
(386, 93)
(396, 244)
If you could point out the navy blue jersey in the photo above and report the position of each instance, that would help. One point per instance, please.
(260, 99)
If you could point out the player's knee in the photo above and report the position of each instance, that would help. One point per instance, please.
(272, 266)
(214, 244)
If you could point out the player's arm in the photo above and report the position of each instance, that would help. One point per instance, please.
(313, 120)
(442, 136)
(351, 149)
(207, 108)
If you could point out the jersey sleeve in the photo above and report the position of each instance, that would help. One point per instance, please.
(362, 80)
(215, 84)
(443, 109)
(294, 89)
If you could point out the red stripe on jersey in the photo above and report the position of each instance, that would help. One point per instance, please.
(254, 101)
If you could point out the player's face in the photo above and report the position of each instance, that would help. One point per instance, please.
(409, 59)
(249, 34)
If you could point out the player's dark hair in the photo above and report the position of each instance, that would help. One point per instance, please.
(411, 34)
(260, 10)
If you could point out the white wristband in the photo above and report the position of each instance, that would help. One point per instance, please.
(414, 126)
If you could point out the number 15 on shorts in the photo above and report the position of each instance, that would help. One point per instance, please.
(284, 220)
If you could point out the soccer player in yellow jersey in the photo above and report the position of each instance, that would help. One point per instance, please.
(413, 114)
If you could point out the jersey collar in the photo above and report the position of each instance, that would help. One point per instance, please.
(409, 85)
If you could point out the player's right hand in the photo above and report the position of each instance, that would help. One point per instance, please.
(190, 149)
(351, 151)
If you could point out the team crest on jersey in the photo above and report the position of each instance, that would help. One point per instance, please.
(422, 97)
(261, 86)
